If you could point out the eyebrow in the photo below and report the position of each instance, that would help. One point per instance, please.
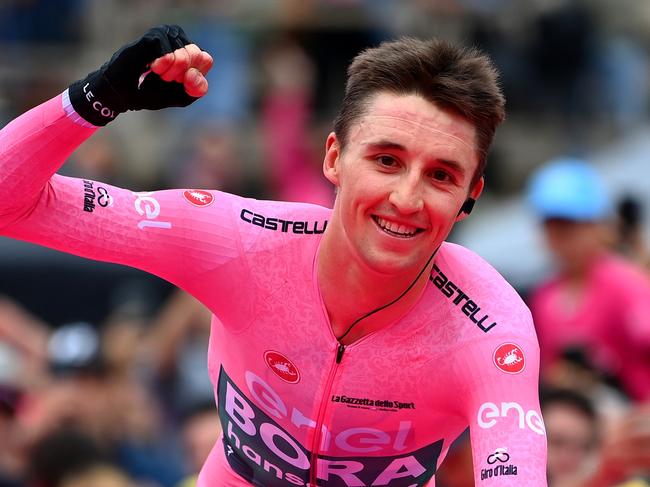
(390, 145)
(453, 165)
(387, 145)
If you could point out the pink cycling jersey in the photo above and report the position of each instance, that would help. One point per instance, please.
(296, 407)
(611, 321)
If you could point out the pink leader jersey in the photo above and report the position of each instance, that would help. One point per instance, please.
(298, 409)
(611, 322)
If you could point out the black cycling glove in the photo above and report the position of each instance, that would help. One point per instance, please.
(123, 83)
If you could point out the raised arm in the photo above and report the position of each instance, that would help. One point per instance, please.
(173, 234)
(161, 69)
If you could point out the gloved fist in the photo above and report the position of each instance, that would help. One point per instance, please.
(161, 69)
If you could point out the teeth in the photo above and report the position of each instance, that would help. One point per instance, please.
(403, 230)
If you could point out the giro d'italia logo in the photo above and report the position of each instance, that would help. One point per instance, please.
(198, 197)
(509, 358)
(282, 366)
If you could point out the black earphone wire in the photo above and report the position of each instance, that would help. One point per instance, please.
(417, 278)
(467, 207)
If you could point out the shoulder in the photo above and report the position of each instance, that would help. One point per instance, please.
(473, 279)
(620, 272)
(474, 273)
(288, 211)
(625, 288)
(265, 225)
(283, 218)
(257, 214)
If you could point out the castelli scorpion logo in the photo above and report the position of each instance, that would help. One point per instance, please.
(198, 197)
(509, 358)
(282, 366)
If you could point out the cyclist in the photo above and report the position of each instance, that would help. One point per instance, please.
(349, 346)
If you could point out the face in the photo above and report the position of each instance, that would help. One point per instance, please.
(570, 440)
(402, 178)
(574, 244)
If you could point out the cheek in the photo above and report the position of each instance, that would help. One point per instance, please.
(558, 241)
(444, 206)
(362, 188)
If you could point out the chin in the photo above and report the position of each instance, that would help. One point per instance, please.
(395, 265)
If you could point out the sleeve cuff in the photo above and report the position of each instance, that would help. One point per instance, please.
(72, 114)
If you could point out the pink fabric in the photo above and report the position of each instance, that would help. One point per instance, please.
(465, 355)
(611, 322)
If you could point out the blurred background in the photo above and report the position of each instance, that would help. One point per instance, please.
(108, 364)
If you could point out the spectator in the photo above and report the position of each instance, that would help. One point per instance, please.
(585, 452)
(574, 370)
(631, 242)
(200, 430)
(104, 404)
(26, 336)
(10, 446)
(571, 429)
(177, 347)
(293, 167)
(597, 302)
(68, 458)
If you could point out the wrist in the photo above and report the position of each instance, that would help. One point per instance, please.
(95, 100)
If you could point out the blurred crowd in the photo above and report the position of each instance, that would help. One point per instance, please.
(128, 403)
(123, 399)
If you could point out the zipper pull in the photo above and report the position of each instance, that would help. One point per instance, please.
(339, 353)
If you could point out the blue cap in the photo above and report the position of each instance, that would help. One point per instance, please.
(570, 189)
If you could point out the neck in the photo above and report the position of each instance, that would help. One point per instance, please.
(351, 291)
(579, 267)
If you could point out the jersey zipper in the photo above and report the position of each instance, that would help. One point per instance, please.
(321, 415)
(339, 353)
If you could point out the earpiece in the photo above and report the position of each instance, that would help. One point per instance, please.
(468, 206)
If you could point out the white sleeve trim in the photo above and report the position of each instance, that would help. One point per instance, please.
(72, 114)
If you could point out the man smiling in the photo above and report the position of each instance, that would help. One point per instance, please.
(349, 356)
(403, 174)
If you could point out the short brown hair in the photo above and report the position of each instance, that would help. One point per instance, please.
(455, 78)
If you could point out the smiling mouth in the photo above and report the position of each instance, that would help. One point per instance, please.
(396, 229)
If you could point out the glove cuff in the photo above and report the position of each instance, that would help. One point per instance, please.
(95, 100)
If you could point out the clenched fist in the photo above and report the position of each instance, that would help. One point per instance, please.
(187, 65)
(161, 69)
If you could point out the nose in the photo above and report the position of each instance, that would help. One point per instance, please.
(406, 196)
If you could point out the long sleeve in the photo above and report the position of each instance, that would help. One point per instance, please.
(32, 148)
(182, 236)
(200, 240)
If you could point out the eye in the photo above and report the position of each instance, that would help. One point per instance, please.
(440, 175)
(386, 161)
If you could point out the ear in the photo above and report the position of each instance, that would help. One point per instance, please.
(331, 161)
(474, 193)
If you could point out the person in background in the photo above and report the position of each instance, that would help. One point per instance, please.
(69, 458)
(292, 165)
(572, 431)
(11, 458)
(631, 241)
(177, 343)
(200, 429)
(575, 371)
(597, 301)
(585, 451)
